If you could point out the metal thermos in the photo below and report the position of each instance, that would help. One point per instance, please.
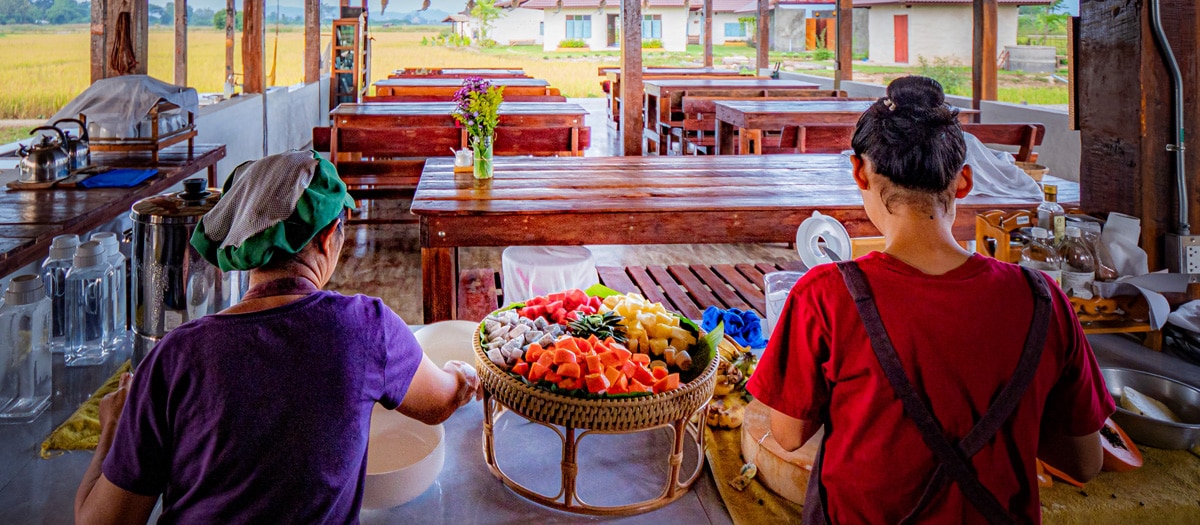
(170, 282)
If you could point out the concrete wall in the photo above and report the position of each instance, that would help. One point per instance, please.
(933, 32)
(674, 27)
(788, 28)
(519, 24)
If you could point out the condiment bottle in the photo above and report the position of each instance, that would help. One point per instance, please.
(54, 280)
(1079, 265)
(25, 362)
(1051, 215)
(1039, 255)
(89, 306)
(119, 288)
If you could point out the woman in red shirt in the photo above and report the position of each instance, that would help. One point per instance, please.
(940, 376)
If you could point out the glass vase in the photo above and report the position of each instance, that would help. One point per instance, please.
(483, 157)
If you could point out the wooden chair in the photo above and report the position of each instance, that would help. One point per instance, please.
(697, 131)
(450, 98)
(835, 138)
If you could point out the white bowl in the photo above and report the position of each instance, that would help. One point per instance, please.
(404, 458)
(448, 340)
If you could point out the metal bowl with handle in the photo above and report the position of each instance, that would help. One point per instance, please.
(1182, 399)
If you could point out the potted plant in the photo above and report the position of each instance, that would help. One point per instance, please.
(478, 110)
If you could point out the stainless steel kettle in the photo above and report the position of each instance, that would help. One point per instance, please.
(44, 162)
(77, 149)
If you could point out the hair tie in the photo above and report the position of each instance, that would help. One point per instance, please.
(891, 105)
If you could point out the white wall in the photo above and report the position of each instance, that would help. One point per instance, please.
(696, 26)
(934, 31)
(674, 27)
(517, 24)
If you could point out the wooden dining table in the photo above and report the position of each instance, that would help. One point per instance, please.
(612, 76)
(458, 73)
(742, 122)
(664, 97)
(419, 118)
(641, 200)
(418, 86)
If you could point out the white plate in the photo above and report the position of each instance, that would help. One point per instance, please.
(448, 340)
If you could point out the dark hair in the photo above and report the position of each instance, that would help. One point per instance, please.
(913, 139)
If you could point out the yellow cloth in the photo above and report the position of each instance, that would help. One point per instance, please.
(81, 431)
(754, 505)
(1166, 490)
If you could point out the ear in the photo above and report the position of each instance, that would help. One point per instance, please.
(859, 168)
(326, 239)
(966, 181)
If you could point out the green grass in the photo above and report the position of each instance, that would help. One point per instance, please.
(8, 135)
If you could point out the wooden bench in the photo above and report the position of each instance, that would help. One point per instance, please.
(697, 131)
(687, 289)
(369, 180)
(450, 98)
(835, 138)
(438, 141)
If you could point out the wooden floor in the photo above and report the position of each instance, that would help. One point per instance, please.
(385, 261)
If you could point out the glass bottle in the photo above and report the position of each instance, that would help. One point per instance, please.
(118, 290)
(88, 306)
(54, 280)
(1051, 215)
(1039, 255)
(1079, 265)
(25, 363)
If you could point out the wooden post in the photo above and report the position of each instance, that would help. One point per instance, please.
(252, 46)
(181, 42)
(708, 33)
(633, 98)
(141, 35)
(230, 20)
(1125, 116)
(845, 43)
(764, 36)
(312, 41)
(99, 47)
(983, 72)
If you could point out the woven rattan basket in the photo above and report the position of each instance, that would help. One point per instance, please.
(609, 415)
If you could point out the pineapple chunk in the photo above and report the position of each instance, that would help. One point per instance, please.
(633, 344)
(646, 320)
(658, 346)
(644, 344)
(682, 334)
(660, 331)
(665, 318)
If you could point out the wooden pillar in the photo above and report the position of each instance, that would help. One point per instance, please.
(1125, 117)
(252, 46)
(181, 45)
(141, 35)
(633, 98)
(230, 19)
(708, 33)
(99, 42)
(764, 35)
(983, 71)
(845, 43)
(312, 41)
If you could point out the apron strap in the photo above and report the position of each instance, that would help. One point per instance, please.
(952, 459)
(284, 286)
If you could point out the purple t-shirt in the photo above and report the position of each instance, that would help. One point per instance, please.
(263, 417)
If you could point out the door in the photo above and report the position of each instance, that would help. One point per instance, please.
(901, 22)
(614, 30)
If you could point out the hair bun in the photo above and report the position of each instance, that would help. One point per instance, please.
(916, 92)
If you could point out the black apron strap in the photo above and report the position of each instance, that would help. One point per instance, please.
(814, 497)
(952, 460)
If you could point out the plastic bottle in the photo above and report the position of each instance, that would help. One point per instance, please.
(54, 280)
(119, 279)
(1039, 255)
(25, 362)
(1051, 214)
(1079, 265)
(88, 306)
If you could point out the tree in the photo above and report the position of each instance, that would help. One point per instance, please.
(200, 16)
(17, 12)
(66, 12)
(1051, 19)
(219, 20)
(486, 13)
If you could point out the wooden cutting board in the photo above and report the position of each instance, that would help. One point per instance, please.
(785, 473)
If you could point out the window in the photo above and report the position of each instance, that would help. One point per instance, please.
(541, 28)
(652, 27)
(579, 27)
(735, 30)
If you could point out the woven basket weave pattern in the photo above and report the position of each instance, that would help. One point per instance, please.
(608, 415)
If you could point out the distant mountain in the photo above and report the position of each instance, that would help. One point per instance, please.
(429, 16)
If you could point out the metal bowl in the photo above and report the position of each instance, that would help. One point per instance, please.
(1184, 400)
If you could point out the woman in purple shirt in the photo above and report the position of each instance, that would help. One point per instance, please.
(261, 413)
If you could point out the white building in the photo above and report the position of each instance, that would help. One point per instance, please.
(903, 31)
(598, 22)
(726, 27)
(516, 25)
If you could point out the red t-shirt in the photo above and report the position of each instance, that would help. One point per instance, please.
(959, 336)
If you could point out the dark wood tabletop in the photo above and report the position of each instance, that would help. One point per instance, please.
(456, 82)
(30, 219)
(408, 109)
(642, 200)
(679, 71)
(657, 84)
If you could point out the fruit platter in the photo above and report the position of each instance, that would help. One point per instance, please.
(596, 359)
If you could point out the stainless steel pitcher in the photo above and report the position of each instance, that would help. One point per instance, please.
(171, 283)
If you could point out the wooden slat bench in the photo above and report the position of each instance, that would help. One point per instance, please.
(697, 131)
(687, 289)
(835, 138)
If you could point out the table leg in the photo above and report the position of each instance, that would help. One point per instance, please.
(754, 137)
(438, 273)
(724, 138)
(743, 142)
(212, 176)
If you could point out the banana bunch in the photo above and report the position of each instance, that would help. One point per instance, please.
(726, 412)
(727, 408)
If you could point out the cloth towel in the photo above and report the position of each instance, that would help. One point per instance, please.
(249, 209)
(996, 175)
(119, 103)
(118, 178)
(744, 326)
